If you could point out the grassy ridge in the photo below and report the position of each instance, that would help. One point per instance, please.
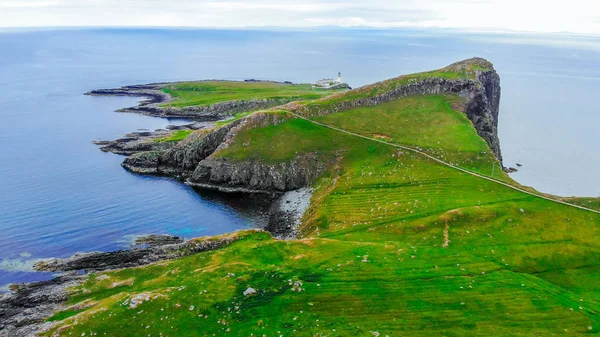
(394, 244)
(211, 92)
(466, 70)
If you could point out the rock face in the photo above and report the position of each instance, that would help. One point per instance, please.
(23, 312)
(255, 175)
(181, 160)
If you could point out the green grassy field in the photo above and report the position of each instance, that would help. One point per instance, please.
(393, 244)
(175, 136)
(211, 92)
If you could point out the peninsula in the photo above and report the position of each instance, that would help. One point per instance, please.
(392, 217)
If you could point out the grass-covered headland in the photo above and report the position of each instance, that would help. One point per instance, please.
(205, 93)
(394, 243)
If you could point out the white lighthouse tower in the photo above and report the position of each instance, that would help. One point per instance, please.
(339, 80)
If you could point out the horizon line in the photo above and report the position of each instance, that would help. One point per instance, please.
(305, 28)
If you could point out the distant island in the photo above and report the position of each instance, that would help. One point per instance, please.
(392, 215)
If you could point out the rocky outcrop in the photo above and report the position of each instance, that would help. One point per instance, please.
(181, 160)
(23, 312)
(144, 141)
(285, 216)
(157, 249)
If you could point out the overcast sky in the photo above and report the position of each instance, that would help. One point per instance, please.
(574, 16)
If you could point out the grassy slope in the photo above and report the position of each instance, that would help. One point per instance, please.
(211, 92)
(394, 244)
(174, 136)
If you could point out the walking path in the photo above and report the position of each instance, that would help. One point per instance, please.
(444, 163)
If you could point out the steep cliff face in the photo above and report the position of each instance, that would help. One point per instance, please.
(483, 111)
(256, 175)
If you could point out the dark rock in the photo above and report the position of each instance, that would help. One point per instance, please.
(154, 240)
(286, 213)
(510, 170)
(519, 165)
(143, 141)
(255, 175)
(96, 261)
(23, 311)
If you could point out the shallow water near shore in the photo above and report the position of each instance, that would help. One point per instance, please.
(60, 195)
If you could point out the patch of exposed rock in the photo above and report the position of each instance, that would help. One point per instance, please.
(142, 141)
(286, 213)
(24, 310)
(155, 240)
(227, 174)
(163, 248)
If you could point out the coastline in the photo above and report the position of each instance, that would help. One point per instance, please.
(24, 310)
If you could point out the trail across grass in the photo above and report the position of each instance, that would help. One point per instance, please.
(444, 163)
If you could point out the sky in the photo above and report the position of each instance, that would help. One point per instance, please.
(540, 16)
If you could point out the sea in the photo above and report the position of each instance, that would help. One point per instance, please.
(60, 195)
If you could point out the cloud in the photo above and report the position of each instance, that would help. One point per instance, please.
(28, 3)
(576, 16)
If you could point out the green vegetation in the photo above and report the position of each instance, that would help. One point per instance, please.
(235, 117)
(62, 315)
(393, 244)
(211, 92)
(427, 123)
(175, 136)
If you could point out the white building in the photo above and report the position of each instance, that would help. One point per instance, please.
(329, 82)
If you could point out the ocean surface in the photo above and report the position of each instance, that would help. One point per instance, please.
(60, 195)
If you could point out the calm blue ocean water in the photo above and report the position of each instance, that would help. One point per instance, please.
(60, 195)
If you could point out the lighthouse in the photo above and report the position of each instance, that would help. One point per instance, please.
(339, 80)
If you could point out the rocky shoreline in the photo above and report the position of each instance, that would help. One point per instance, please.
(145, 140)
(23, 311)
